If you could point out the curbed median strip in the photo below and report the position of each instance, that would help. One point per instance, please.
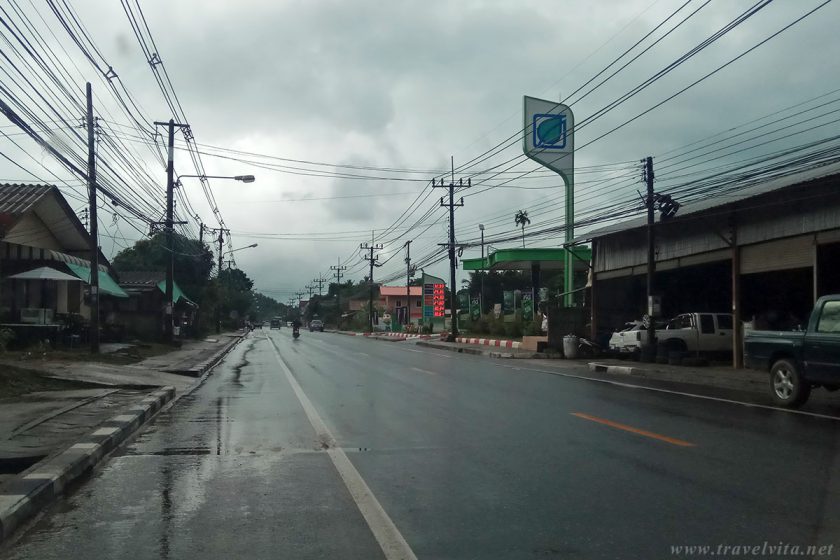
(24, 496)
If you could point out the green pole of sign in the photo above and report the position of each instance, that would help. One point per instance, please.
(568, 266)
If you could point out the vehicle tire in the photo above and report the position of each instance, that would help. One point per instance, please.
(787, 387)
(675, 345)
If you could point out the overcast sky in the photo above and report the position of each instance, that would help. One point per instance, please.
(406, 85)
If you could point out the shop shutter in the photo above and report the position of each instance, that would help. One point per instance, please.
(782, 254)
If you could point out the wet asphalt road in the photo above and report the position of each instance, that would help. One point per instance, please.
(464, 456)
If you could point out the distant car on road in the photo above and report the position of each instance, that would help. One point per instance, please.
(316, 325)
(275, 323)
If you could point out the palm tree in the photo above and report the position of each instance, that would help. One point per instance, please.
(521, 219)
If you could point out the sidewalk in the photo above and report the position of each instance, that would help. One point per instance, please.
(50, 438)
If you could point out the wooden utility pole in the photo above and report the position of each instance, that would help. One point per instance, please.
(338, 270)
(651, 257)
(453, 296)
(408, 282)
(372, 260)
(94, 226)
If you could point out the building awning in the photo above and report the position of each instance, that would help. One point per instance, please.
(107, 285)
(177, 293)
(44, 273)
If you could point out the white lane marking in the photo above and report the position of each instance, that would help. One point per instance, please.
(363, 354)
(393, 544)
(682, 393)
(424, 371)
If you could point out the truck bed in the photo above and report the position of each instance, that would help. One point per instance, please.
(761, 346)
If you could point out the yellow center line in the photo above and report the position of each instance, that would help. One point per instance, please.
(631, 429)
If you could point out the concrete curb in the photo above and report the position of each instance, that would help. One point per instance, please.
(526, 355)
(386, 339)
(606, 368)
(201, 367)
(438, 346)
(345, 333)
(25, 496)
(490, 342)
(209, 363)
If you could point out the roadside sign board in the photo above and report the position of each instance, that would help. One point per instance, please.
(527, 307)
(434, 296)
(549, 137)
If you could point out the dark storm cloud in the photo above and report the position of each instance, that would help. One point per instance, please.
(407, 84)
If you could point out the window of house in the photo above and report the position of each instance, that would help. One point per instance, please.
(418, 303)
(399, 303)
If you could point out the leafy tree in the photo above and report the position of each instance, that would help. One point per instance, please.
(192, 261)
(521, 219)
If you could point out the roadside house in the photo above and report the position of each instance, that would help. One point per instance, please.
(142, 312)
(44, 265)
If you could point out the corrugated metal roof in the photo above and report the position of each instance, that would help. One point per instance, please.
(147, 278)
(16, 199)
(749, 190)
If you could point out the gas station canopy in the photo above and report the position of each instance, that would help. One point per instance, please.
(525, 259)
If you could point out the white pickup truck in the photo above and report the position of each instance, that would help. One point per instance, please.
(688, 332)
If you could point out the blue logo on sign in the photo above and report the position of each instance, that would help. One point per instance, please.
(549, 131)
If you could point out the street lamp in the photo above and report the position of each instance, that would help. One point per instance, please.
(481, 227)
(243, 178)
(241, 248)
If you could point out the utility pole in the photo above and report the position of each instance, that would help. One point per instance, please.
(481, 302)
(651, 262)
(169, 225)
(372, 259)
(299, 295)
(220, 240)
(201, 232)
(94, 227)
(451, 205)
(338, 270)
(408, 282)
(320, 281)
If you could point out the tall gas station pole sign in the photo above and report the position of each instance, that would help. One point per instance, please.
(549, 139)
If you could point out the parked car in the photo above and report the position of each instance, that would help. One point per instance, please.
(687, 332)
(798, 361)
(698, 332)
(316, 325)
(275, 323)
(631, 338)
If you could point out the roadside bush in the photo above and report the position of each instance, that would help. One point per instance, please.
(497, 328)
(532, 328)
(6, 336)
(514, 329)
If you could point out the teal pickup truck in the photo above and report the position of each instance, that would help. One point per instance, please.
(799, 360)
